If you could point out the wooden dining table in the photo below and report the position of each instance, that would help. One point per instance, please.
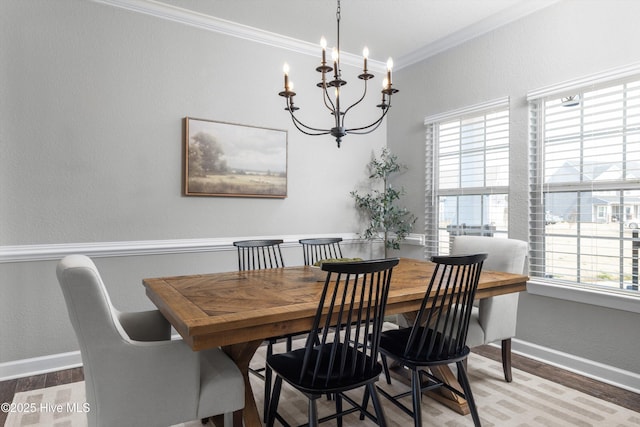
(238, 310)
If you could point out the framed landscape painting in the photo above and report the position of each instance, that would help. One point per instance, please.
(231, 160)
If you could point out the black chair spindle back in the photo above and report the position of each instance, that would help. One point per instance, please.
(259, 254)
(440, 328)
(439, 332)
(335, 360)
(354, 294)
(317, 249)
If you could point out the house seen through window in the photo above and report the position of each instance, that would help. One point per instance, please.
(585, 186)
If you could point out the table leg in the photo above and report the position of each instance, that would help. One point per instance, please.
(444, 396)
(444, 374)
(242, 355)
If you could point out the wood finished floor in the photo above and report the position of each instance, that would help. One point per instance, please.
(51, 379)
(609, 393)
(594, 388)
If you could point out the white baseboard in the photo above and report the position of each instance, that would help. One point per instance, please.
(588, 368)
(598, 371)
(39, 365)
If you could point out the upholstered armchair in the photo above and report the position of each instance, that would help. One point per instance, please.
(135, 375)
(494, 319)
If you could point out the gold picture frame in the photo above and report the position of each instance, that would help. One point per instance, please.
(224, 159)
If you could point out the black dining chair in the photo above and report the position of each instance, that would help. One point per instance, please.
(317, 249)
(258, 255)
(439, 332)
(354, 293)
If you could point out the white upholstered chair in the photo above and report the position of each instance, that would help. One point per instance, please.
(135, 375)
(494, 319)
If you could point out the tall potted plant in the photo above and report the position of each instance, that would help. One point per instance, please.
(379, 206)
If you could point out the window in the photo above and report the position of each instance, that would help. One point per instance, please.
(467, 174)
(585, 183)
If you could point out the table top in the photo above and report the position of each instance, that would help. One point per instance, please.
(218, 309)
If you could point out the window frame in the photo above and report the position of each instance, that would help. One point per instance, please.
(620, 299)
(432, 190)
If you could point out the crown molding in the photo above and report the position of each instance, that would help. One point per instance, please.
(519, 10)
(233, 29)
(245, 32)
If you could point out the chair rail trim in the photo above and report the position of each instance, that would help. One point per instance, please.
(55, 251)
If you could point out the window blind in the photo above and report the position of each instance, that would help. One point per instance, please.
(584, 182)
(467, 173)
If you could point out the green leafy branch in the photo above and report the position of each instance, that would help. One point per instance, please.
(379, 207)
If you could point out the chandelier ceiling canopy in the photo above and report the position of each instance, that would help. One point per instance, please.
(331, 101)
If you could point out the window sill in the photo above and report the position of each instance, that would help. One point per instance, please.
(618, 300)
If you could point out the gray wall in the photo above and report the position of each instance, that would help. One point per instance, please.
(92, 108)
(91, 105)
(570, 39)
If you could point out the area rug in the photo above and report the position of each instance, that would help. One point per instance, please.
(527, 401)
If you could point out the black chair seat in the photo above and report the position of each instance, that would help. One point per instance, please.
(393, 344)
(289, 367)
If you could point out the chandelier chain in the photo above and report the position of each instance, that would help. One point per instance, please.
(338, 71)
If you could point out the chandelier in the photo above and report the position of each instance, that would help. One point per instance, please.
(332, 101)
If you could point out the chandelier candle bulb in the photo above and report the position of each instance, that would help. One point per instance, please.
(285, 69)
(365, 54)
(323, 44)
(389, 67)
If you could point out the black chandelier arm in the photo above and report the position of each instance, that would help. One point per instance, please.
(373, 125)
(291, 109)
(320, 131)
(364, 93)
(308, 130)
(309, 133)
(325, 96)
